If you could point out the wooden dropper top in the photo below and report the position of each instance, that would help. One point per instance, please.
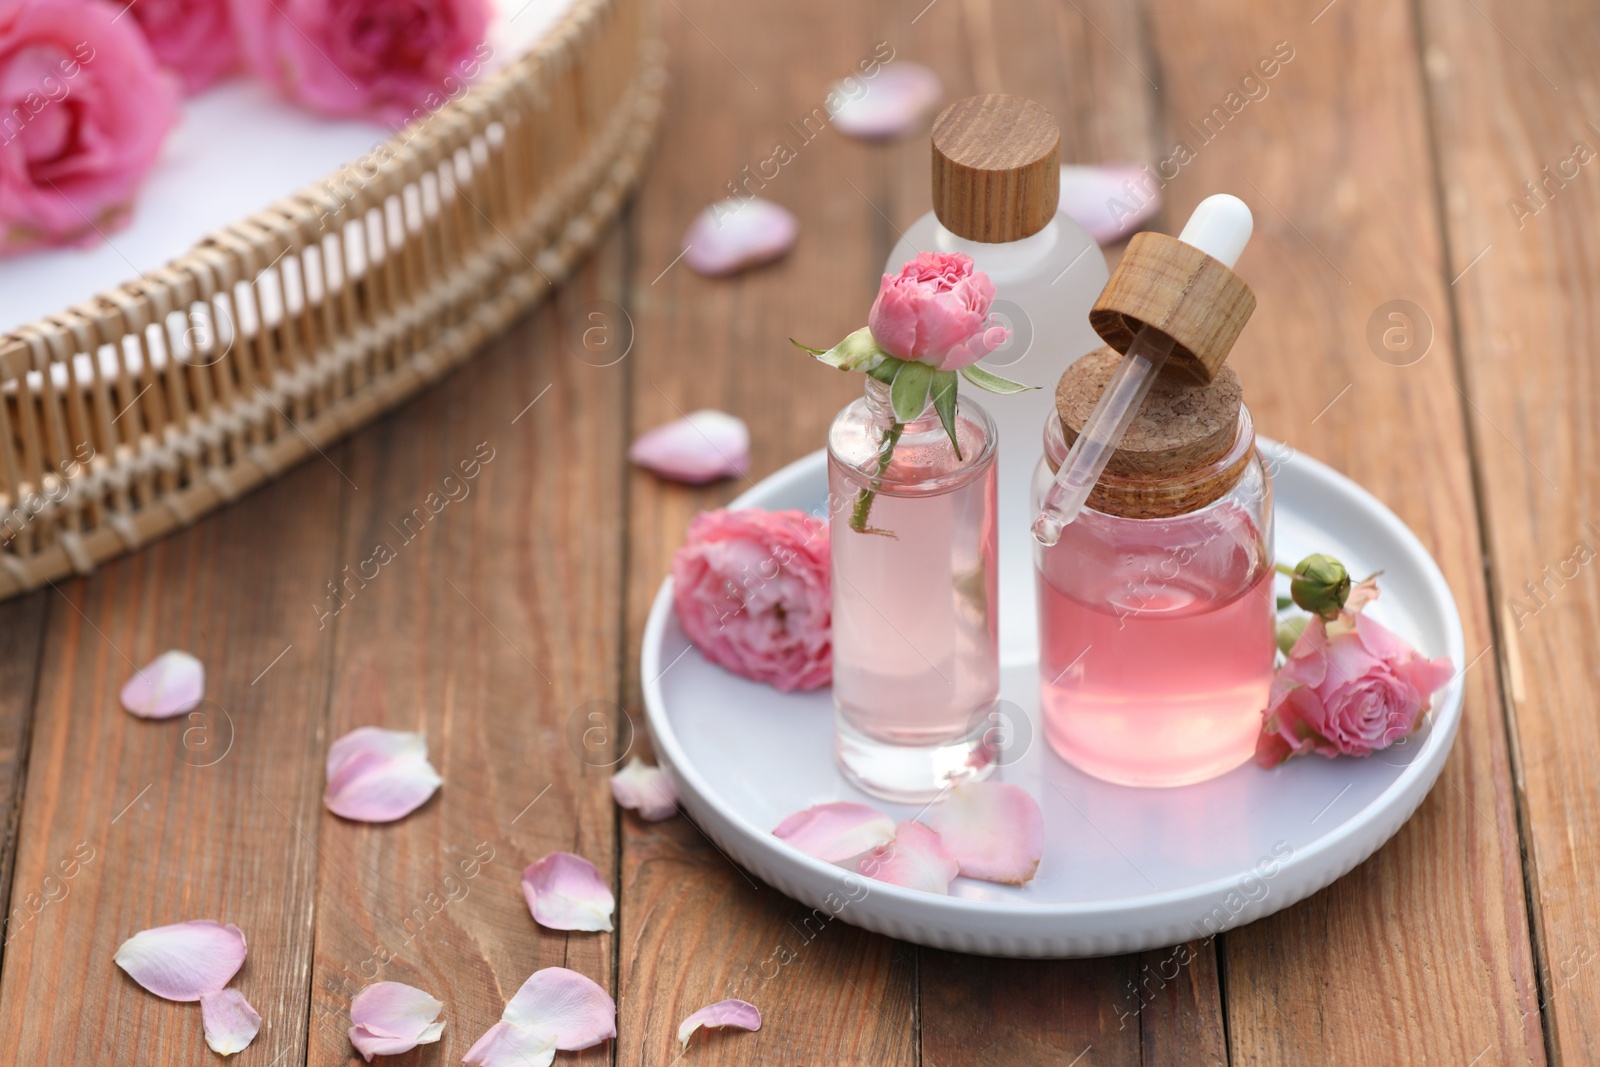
(996, 168)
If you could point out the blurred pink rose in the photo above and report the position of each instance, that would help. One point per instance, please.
(936, 311)
(83, 111)
(1353, 693)
(751, 590)
(388, 60)
(193, 38)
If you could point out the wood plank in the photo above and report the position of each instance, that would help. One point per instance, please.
(1426, 945)
(1511, 87)
(694, 928)
(130, 824)
(494, 622)
(21, 636)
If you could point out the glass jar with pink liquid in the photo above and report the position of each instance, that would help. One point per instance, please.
(1156, 609)
(916, 673)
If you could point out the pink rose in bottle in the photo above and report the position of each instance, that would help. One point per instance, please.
(84, 108)
(936, 311)
(751, 589)
(388, 60)
(193, 38)
(1352, 693)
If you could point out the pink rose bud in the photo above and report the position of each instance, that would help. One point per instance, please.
(936, 311)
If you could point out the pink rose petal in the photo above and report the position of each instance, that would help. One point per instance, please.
(995, 831)
(837, 831)
(1111, 201)
(391, 1018)
(229, 1020)
(739, 1013)
(646, 790)
(378, 775)
(731, 235)
(184, 961)
(171, 684)
(917, 859)
(565, 892)
(699, 448)
(898, 98)
(555, 1009)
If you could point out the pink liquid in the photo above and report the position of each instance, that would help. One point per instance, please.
(1156, 645)
(914, 628)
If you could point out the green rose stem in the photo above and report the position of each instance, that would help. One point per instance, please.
(863, 506)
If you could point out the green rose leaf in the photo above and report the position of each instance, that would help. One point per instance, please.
(944, 402)
(909, 393)
(993, 383)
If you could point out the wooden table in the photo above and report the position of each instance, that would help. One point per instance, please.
(1384, 163)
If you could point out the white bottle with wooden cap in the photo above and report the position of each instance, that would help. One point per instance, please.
(996, 181)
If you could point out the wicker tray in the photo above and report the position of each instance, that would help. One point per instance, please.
(143, 409)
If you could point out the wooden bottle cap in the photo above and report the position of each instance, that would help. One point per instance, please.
(1182, 292)
(996, 168)
(1178, 453)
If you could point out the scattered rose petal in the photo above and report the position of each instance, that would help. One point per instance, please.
(917, 859)
(171, 684)
(731, 235)
(1110, 202)
(646, 790)
(565, 892)
(555, 1009)
(184, 961)
(378, 775)
(995, 831)
(898, 98)
(837, 831)
(391, 1018)
(700, 447)
(739, 1013)
(229, 1020)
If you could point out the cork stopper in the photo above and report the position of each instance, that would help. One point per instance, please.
(1181, 291)
(1181, 451)
(996, 168)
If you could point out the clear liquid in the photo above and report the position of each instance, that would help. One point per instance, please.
(1157, 643)
(915, 609)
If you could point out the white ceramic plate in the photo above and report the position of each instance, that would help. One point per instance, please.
(1123, 869)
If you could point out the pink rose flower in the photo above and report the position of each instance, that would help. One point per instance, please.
(1352, 693)
(388, 60)
(751, 589)
(936, 311)
(84, 108)
(193, 38)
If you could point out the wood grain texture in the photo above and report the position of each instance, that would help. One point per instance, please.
(494, 623)
(1513, 91)
(696, 929)
(21, 637)
(1427, 943)
(130, 824)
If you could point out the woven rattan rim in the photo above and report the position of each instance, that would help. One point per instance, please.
(112, 433)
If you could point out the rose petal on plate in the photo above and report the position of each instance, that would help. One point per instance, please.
(504, 1045)
(897, 99)
(229, 1020)
(171, 684)
(391, 1018)
(1110, 201)
(565, 892)
(739, 1013)
(836, 831)
(184, 961)
(731, 235)
(377, 775)
(645, 790)
(995, 831)
(565, 1006)
(917, 859)
(701, 447)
